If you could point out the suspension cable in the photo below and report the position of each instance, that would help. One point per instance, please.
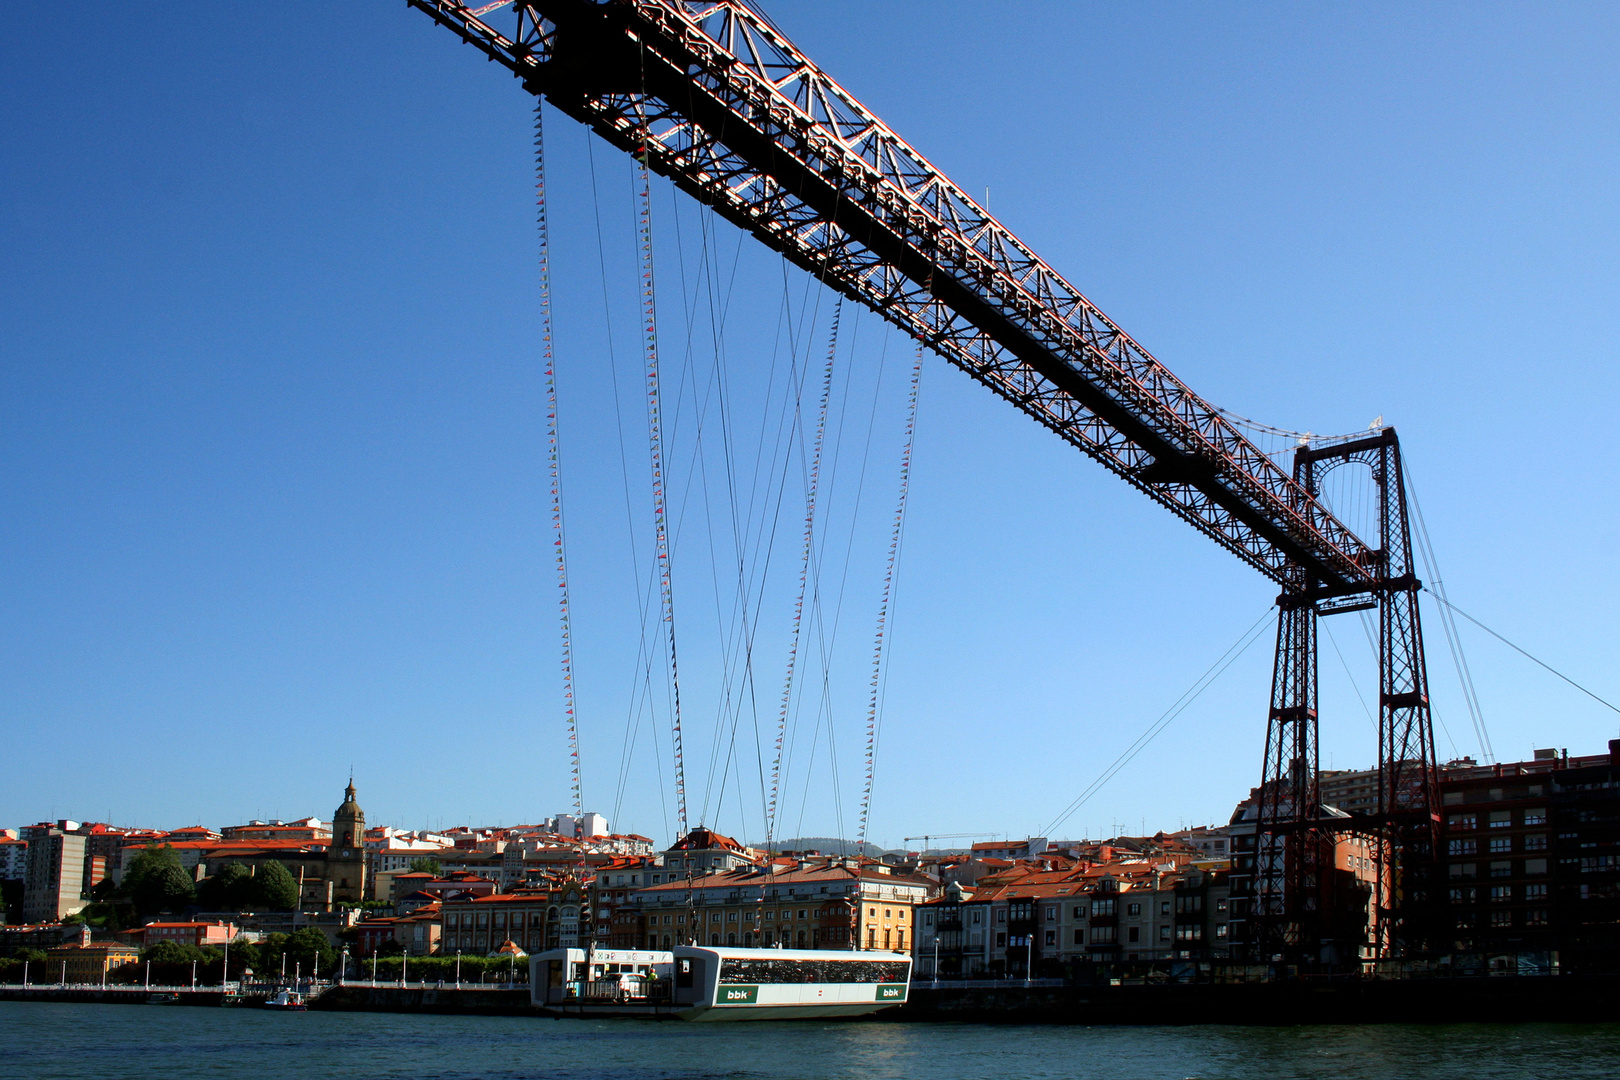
(811, 484)
(888, 594)
(1521, 652)
(656, 443)
(1448, 621)
(1177, 707)
(548, 356)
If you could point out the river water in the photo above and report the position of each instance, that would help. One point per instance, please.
(115, 1042)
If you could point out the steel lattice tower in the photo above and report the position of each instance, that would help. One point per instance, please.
(1292, 895)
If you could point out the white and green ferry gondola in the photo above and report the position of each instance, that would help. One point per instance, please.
(698, 983)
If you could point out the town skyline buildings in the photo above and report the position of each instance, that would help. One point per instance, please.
(256, 498)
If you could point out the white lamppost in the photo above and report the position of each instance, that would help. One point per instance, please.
(194, 974)
(458, 967)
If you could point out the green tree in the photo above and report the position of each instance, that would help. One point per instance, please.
(155, 881)
(32, 956)
(270, 953)
(231, 889)
(304, 947)
(273, 888)
(425, 866)
(244, 957)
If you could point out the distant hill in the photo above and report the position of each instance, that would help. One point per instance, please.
(827, 845)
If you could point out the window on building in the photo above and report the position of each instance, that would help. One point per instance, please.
(1164, 907)
(1220, 931)
(1051, 914)
(1079, 911)
(1501, 845)
(1501, 819)
(1001, 916)
(1001, 941)
(1133, 909)
(1079, 936)
(1104, 907)
(1460, 821)
(1463, 895)
(1462, 870)
(1051, 937)
(714, 917)
(1504, 868)
(1535, 866)
(1536, 917)
(1536, 816)
(1535, 892)
(928, 918)
(1104, 935)
(1164, 933)
(1133, 933)
(1536, 842)
(1501, 919)
(1501, 894)
(731, 916)
(1461, 847)
(978, 916)
(1192, 932)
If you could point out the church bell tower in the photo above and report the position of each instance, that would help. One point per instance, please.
(346, 856)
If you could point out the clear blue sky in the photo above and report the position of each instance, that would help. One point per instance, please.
(272, 496)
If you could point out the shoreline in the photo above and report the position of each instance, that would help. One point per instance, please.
(1511, 999)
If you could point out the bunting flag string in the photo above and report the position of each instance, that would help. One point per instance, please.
(811, 485)
(559, 553)
(888, 596)
(656, 438)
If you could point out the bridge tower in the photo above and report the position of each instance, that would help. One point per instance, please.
(1292, 914)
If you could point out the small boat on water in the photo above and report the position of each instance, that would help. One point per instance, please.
(708, 984)
(287, 1001)
(163, 999)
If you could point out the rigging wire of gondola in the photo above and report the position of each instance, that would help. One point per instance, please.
(872, 719)
(656, 449)
(812, 480)
(554, 463)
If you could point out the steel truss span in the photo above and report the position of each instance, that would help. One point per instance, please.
(730, 111)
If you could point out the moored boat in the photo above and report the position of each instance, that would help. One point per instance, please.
(709, 984)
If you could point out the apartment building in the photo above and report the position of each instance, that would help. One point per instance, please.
(814, 903)
(1043, 924)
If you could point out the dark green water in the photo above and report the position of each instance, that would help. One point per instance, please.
(113, 1042)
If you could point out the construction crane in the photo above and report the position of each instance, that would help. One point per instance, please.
(948, 836)
(711, 95)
